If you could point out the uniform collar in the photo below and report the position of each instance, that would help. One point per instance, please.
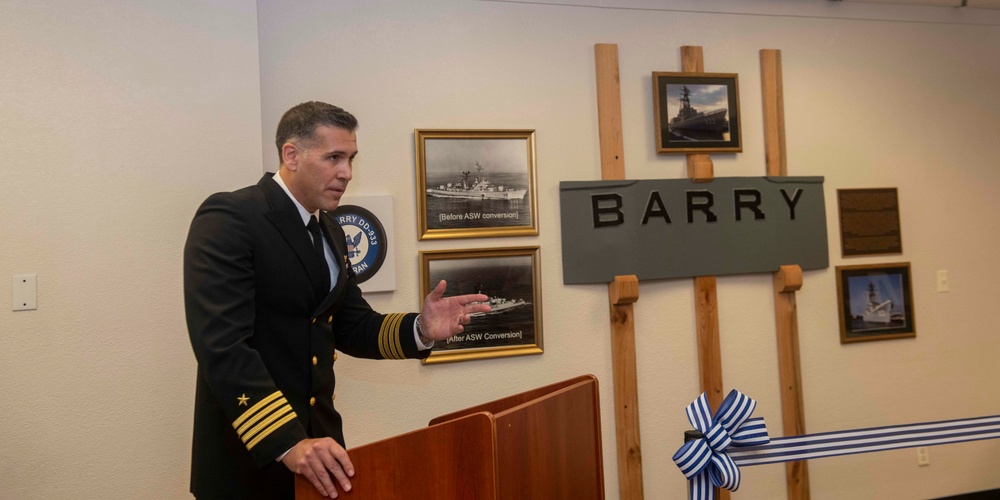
(302, 210)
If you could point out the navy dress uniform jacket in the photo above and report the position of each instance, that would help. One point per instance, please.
(264, 332)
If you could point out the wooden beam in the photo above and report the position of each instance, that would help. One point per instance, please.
(787, 280)
(790, 377)
(624, 291)
(692, 59)
(706, 306)
(609, 112)
(774, 112)
(699, 166)
(706, 303)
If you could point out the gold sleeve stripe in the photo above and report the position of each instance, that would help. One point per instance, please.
(266, 411)
(383, 336)
(269, 430)
(259, 430)
(395, 336)
(256, 408)
(388, 337)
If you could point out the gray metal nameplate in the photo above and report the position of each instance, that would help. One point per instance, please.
(677, 228)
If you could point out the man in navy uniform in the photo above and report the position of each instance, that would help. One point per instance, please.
(270, 296)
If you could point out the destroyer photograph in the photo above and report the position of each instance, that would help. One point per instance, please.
(476, 187)
(870, 310)
(876, 302)
(696, 112)
(706, 122)
(475, 183)
(509, 277)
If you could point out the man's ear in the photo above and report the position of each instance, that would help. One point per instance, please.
(290, 156)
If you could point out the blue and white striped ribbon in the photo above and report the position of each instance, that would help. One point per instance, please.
(704, 461)
(733, 439)
(832, 444)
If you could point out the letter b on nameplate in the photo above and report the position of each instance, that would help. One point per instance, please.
(675, 228)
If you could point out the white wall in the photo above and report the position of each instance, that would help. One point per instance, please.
(869, 102)
(118, 118)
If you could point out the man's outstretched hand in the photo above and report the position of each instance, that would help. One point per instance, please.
(441, 317)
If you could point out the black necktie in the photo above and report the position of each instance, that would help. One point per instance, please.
(317, 238)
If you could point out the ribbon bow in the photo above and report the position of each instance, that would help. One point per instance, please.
(704, 460)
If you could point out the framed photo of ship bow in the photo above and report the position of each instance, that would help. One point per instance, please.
(875, 302)
(475, 183)
(511, 278)
(696, 112)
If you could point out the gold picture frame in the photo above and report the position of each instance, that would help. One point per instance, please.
(475, 183)
(875, 302)
(511, 278)
(696, 112)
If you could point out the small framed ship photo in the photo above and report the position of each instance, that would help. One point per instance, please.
(511, 278)
(475, 183)
(875, 302)
(696, 112)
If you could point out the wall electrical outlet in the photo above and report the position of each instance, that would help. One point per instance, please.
(942, 281)
(923, 456)
(24, 292)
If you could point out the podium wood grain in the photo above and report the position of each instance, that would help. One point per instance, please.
(541, 444)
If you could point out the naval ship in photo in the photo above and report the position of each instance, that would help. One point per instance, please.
(876, 311)
(477, 188)
(498, 304)
(689, 118)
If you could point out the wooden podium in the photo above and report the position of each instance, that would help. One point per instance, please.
(544, 444)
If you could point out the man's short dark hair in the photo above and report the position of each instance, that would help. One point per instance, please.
(301, 121)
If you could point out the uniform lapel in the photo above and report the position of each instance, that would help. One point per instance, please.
(335, 236)
(286, 219)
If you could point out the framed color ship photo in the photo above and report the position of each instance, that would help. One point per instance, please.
(875, 302)
(475, 183)
(696, 112)
(510, 277)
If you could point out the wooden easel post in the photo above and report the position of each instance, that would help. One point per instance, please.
(787, 280)
(706, 301)
(699, 166)
(624, 291)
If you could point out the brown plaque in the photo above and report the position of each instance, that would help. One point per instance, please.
(869, 222)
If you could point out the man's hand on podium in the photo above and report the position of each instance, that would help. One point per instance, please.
(317, 459)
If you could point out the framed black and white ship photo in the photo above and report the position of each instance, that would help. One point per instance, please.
(511, 278)
(696, 112)
(875, 302)
(475, 183)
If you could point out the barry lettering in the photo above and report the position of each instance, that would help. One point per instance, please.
(607, 207)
